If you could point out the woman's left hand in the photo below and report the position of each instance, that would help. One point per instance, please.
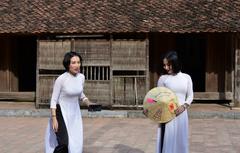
(88, 102)
(179, 110)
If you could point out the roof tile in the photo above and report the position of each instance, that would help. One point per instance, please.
(90, 16)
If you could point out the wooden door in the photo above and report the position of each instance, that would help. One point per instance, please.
(129, 72)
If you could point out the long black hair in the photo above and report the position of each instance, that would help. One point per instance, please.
(173, 60)
(67, 59)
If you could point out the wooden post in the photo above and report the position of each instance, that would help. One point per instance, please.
(237, 73)
(111, 89)
(37, 77)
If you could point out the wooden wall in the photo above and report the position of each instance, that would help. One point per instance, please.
(129, 60)
(8, 65)
(122, 61)
(116, 71)
(219, 63)
(96, 68)
(50, 54)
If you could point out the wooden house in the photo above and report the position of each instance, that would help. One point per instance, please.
(121, 43)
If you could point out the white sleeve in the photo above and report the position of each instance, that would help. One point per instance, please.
(55, 93)
(82, 96)
(160, 82)
(189, 97)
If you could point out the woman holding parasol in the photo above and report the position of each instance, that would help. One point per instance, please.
(172, 137)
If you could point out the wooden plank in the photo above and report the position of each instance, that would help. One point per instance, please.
(111, 71)
(129, 55)
(13, 66)
(197, 96)
(218, 63)
(237, 72)
(4, 65)
(93, 52)
(229, 58)
(45, 88)
(126, 89)
(30, 96)
(98, 91)
(213, 96)
(147, 65)
(61, 47)
(17, 96)
(51, 53)
(211, 83)
(46, 54)
(8, 66)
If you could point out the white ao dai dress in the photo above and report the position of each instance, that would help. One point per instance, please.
(67, 91)
(176, 131)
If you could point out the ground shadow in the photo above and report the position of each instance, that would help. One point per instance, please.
(120, 148)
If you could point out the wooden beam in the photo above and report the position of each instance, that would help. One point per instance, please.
(213, 96)
(18, 96)
(30, 96)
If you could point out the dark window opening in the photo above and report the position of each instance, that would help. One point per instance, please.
(96, 72)
(26, 48)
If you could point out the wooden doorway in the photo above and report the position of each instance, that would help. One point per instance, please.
(18, 68)
(192, 49)
(207, 57)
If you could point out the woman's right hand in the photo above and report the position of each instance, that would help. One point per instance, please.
(54, 124)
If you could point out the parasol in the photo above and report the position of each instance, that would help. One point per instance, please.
(160, 104)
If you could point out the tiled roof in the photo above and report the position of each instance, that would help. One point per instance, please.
(100, 16)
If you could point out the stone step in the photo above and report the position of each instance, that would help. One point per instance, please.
(197, 110)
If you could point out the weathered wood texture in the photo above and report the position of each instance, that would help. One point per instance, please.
(44, 90)
(237, 72)
(219, 66)
(8, 65)
(213, 95)
(129, 55)
(93, 52)
(130, 72)
(129, 90)
(96, 68)
(51, 54)
(98, 91)
(100, 59)
(18, 96)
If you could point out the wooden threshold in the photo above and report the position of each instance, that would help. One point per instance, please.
(213, 96)
(30, 96)
(18, 96)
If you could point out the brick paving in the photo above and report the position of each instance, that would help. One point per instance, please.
(120, 135)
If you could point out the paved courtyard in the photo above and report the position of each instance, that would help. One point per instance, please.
(120, 135)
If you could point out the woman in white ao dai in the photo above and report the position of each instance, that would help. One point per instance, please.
(64, 131)
(172, 137)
